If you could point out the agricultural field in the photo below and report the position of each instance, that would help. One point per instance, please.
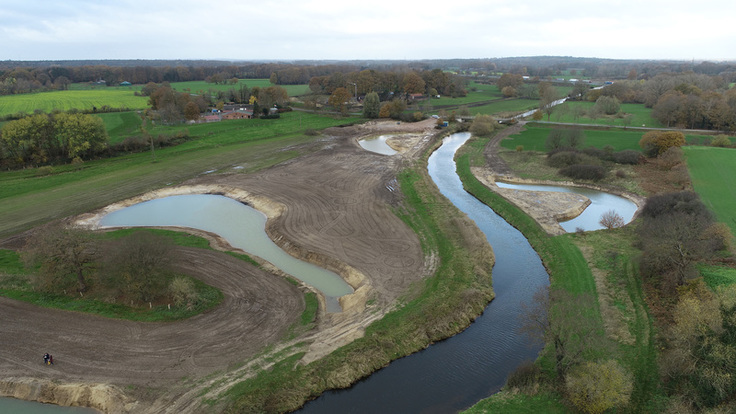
(83, 100)
(712, 171)
(640, 116)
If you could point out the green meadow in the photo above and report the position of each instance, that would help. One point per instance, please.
(83, 100)
(639, 115)
(534, 137)
(712, 171)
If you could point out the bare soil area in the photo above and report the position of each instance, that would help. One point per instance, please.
(332, 207)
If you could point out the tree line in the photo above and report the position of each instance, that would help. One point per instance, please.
(48, 138)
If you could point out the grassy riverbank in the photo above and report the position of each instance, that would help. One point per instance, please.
(443, 305)
(616, 287)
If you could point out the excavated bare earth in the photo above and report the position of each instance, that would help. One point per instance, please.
(332, 207)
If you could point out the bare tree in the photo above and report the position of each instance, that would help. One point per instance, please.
(63, 254)
(611, 220)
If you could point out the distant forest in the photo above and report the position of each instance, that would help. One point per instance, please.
(35, 76)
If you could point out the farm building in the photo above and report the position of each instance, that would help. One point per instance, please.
(237, 115)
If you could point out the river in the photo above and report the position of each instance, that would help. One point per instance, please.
(454, 374)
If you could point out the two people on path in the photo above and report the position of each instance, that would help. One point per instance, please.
(48, 359)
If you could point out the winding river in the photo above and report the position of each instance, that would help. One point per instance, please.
(453, 374)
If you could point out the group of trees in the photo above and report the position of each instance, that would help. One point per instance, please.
(47, 138)
(390, 83)
(135, 268)
(25, 77)
(686, 100)
(677, 232)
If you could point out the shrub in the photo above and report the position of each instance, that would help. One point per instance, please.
(483, 125)
(609, 105)
(183, 292)
(564, 158)
(656, 142)
(524, 376)
(721, 141)
(686, 202)
(311, 132)
(630, 157)
(519, 148)
(596, 153)
(584, 172)
(45, 170)
(621, 174)
(595, 387)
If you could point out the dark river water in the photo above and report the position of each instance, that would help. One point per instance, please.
(454, 374)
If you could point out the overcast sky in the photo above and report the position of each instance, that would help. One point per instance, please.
(369, 29)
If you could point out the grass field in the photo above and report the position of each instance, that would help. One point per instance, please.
(66, 100)
(641, 116)
(27, 199)
(534, 137)
(477, 92)
(712, 171)
(120, 125)
(505, 106)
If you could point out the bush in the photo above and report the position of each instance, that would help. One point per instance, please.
(525, 376)
(183, 292)
(45, 170)
(595, 387)
(311, 132)
(564, 158)
(721, 141)
(686, 202)
(630, 157)
(608, 105)
(584, 172)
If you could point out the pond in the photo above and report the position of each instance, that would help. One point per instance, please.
(242, 226)
(378, 145)
(589, 219)
(12, 405)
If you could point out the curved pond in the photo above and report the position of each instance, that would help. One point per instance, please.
(242, 226)
(600, 202)
(454, 374)
(11, 405)
(378, 145)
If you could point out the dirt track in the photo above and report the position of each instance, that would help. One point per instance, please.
(337, 213)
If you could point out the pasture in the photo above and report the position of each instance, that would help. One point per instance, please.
(639, 115)
(120, 125)
(712, 171)
(534, 137)
(83, 100)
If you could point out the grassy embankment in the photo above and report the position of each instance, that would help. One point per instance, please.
(569, 270)
(27, 199)
(441, 306)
